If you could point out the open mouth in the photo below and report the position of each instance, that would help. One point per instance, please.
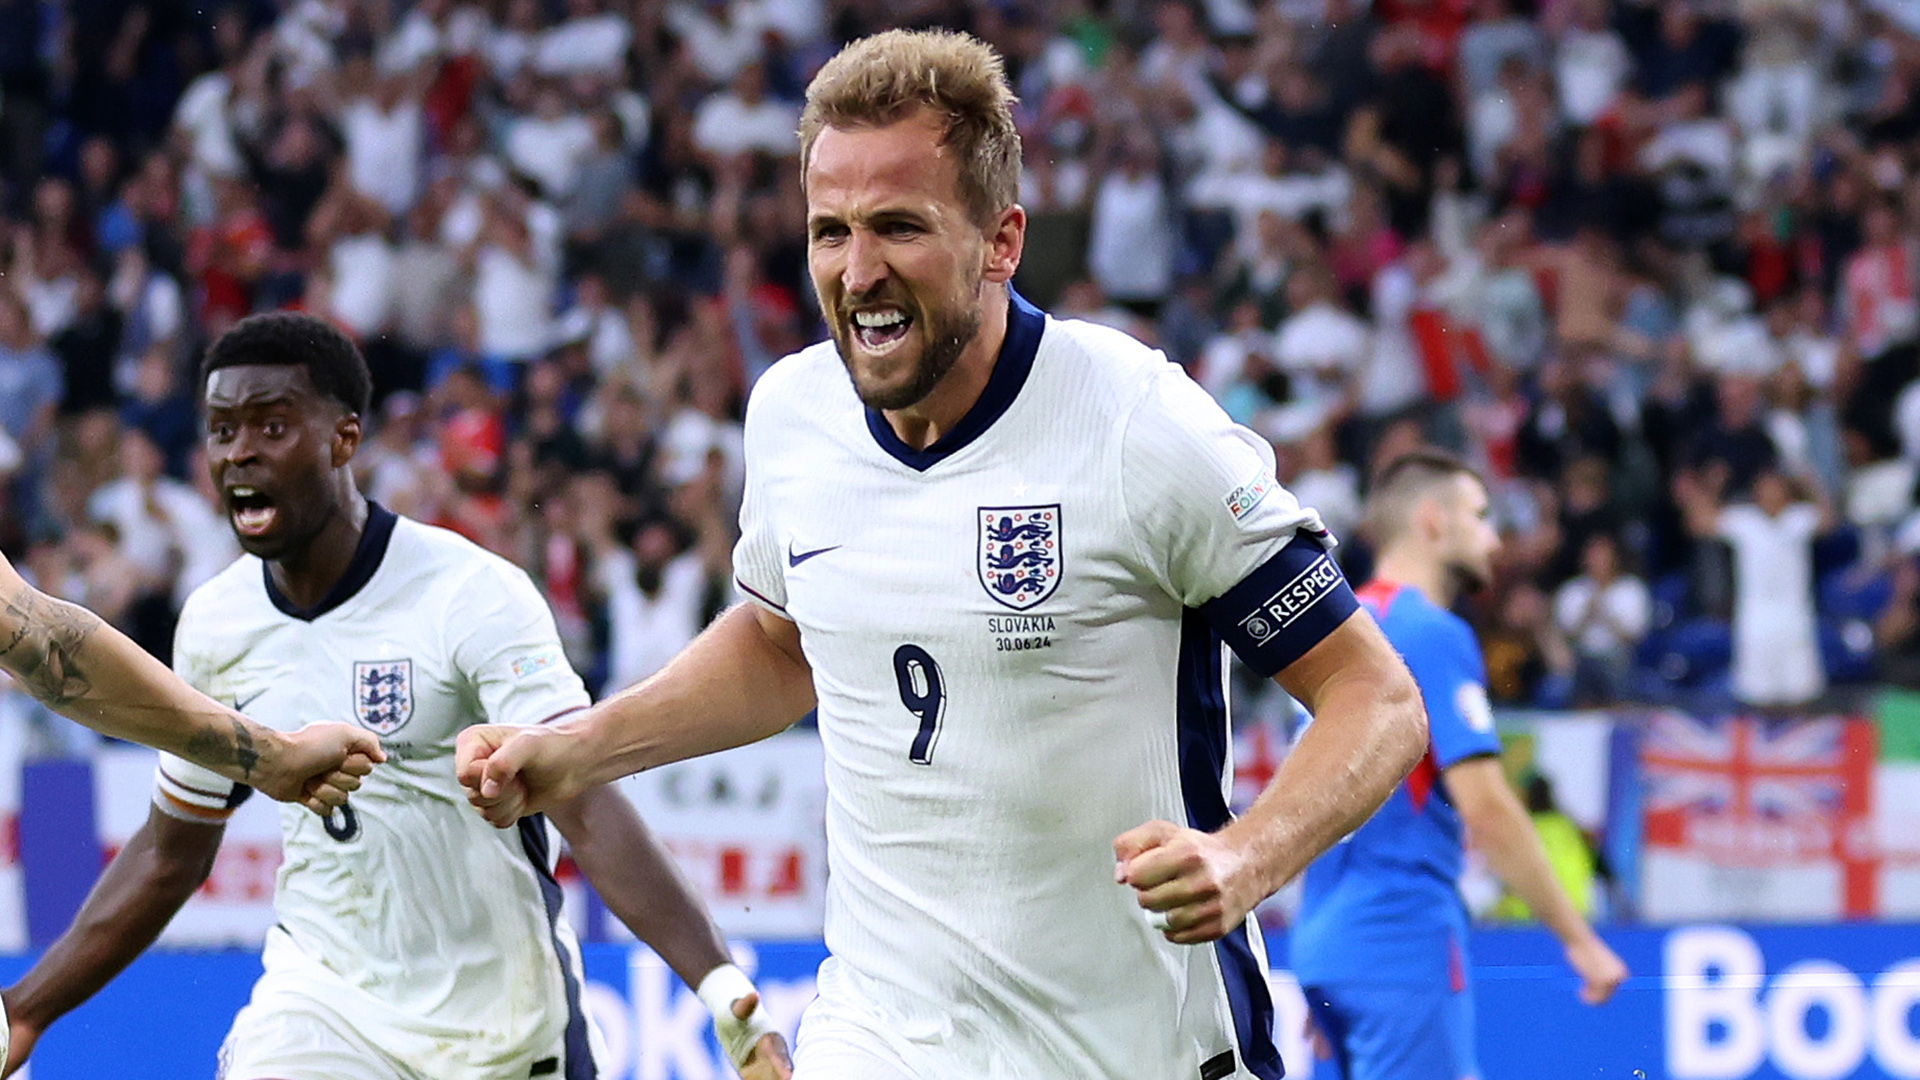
(252, 512)
(880, 330)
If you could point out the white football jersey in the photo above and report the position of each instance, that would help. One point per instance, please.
(1015, 648)
(441, 936)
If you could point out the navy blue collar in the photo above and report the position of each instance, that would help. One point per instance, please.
(366, 560)
(1025, 323)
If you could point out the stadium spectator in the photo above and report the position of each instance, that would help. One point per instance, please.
(1776, 644)
(1321, 346)
(1603, 613)
(742, 120)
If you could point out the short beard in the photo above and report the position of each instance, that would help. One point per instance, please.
(946, 340)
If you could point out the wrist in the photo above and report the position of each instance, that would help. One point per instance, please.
(1580, 935)
(26, 1008)
(561, 756)
(575, 743)
(721, 987)
(257, 751)
(718, 991)
(1250, 877)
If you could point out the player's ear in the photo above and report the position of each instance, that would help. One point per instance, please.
(346, 438)
(1430, 518)
(1006, 239)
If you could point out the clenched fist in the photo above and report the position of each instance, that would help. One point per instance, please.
(510, 772)
(317, 766)
(1199, 886)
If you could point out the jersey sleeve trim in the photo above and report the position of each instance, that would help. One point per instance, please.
(196, 802)
(759, 597)
(189, 812)
(190, 791)
(1289, 604)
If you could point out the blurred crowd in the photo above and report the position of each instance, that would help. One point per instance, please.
(1652, 266)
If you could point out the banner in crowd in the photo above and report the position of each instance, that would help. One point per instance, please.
(1757, 817)
(746, 827)
(1726, 818)
(1706, 1002)
(1749, 817)
(1716, 817)
(1896, 803)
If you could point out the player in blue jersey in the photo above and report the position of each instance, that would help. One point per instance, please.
(1380, 942)
(999, 553)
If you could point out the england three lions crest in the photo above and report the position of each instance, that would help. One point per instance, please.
(383, 694)
(1019, 557)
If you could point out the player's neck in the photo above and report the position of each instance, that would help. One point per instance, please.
(1403, 567)
(306, 576)
(924, 423)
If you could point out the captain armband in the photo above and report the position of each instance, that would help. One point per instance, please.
(1284, 608)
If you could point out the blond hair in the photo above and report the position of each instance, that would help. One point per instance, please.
(879, 80)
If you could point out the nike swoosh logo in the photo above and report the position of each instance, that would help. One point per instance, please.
(796, 559)
(241, 706)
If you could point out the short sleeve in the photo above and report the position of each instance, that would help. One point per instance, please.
(182, 789)
(756, 555)
(1215, 529)
(1453, 683)
(191, 792)
(509, 650)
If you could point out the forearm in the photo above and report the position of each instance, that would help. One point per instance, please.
(733, 685)
(66, 657)
(132, 903)
(1369, 729)
(1505, 835)
(639, 882)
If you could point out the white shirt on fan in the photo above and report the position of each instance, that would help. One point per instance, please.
(645, 631)
(384, 151)
(1776, 643)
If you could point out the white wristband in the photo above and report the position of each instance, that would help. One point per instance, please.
(718, 991)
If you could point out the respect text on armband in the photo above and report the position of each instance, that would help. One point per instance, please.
(1293, 600)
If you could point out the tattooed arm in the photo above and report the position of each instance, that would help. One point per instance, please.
(67, 657)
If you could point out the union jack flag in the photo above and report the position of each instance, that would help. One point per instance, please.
(1744, 766)
(1745, 791)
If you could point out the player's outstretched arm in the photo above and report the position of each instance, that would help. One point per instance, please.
(1368, 730)
(317, 766)
(740, 681)
(642, 886)
(135, 898)
(69, 659)
(1501, 828)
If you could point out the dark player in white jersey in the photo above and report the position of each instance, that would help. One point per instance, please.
(413, 941)
(74, 663)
